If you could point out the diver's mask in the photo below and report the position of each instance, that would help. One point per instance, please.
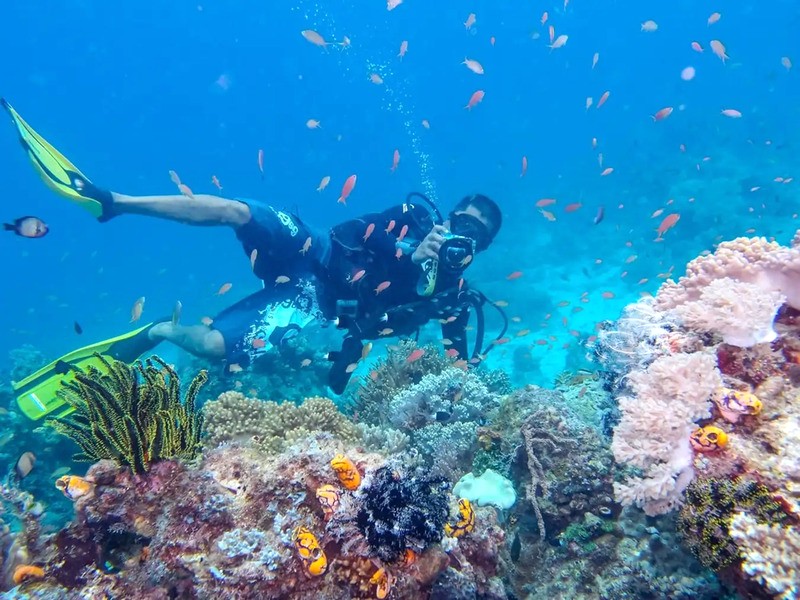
(469, 226)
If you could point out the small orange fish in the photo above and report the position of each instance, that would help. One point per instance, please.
(216, 182)
(390, 226)
(137, 309)
(186, 191)
(607, 295)
(313, 124)
(174, 177)
(207, 321)
(451, 353)
(376, 79)
(473, 65)
(235, 368)
(548, 215)
(386, 331)
(306, 246)
(403, 49)
(543, 20)
(697, 47)
(395, 160)
(415, 355)
(657, 213)
(253, 258)
(572, 207)
(368, 232)
(475, 99)
(514, 275)
(471, 19)
(351, 367)
(662, 114)
(524, 166)
(281, 279)
(603, 99)
(426, 124)
(347, 189)
(403, 233)
(667, 224)
(314, 38)
(713, 18)
(382, 286)
(305, 362)
(365, 350)
(718, 48)
(545, 202)
(357, 275)
(347, 472)
(607, 171)
(224, 289)
(261, 162)
(398, 254)
(324, 183)
(258, 343)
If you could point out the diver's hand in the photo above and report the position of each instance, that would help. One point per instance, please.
(429, 247)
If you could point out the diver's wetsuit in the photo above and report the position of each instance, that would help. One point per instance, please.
(325, 282)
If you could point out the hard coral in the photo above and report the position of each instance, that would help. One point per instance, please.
(271, 426)
(399, 511)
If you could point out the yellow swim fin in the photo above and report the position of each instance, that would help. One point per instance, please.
(58, 172)
(37, 394)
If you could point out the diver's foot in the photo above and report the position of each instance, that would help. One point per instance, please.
(160, 331)
(106, 198)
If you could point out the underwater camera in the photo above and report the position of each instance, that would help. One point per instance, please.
(455, 252)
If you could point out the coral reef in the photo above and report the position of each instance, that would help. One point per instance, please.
(131, 414)
(233, 418)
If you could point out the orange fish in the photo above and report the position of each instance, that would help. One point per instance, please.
(470, 20)
(324, 183)
(261, 162)
(137, 309)
(425, 124)
(390, 226)
(395, 160)
(607, 295)
(347, 472)
(415, 355)
(559, 42)
(207, 321)
(398, 254)
(74, 487)
(514, 275)
(607, 171)
(718, 48)
(368, 232)
(358, 275)
(667, 224)
(473, 65)
(545, 202)
(403, 49)
(572, 207)
(314, 38)
(253, 258)
(713, 18)
(492, 41)
(475, 99)
(524, 166)
(595, 58)
(306, 246)
(224, 289)
(376, 79)
(657, 213)
(186, 191)
(544, 18)
(552, 33)
(548, 215)
(258, 343)
(174, 177)
(392, 4)
(403, 233)
(347, 188)
(662, 114)
(216, 182)
(281, 279)
(382, 286)
(603, 99)
(313, 124)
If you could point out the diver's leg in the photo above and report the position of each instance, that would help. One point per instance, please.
(202, 209)
(199, 340)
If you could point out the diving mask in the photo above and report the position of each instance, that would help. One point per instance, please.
(469, 226)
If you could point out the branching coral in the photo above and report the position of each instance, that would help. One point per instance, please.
(653, 433)
(131, 414)
(234, 418)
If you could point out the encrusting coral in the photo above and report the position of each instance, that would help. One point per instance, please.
(131, 414)
(271, 426)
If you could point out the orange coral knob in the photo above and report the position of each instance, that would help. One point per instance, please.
(25, 573)
(347, 471)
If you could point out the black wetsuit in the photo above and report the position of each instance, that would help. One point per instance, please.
(369, 284)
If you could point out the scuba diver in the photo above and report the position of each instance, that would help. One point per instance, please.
(381, 274)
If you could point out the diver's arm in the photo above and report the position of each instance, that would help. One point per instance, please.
(199, 209)
(429, 246)
(456, 332)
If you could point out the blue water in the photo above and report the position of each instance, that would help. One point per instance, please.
(128, 92)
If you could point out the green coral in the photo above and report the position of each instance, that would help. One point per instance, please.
(705, 519)
(271, 427)
(131, 414)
